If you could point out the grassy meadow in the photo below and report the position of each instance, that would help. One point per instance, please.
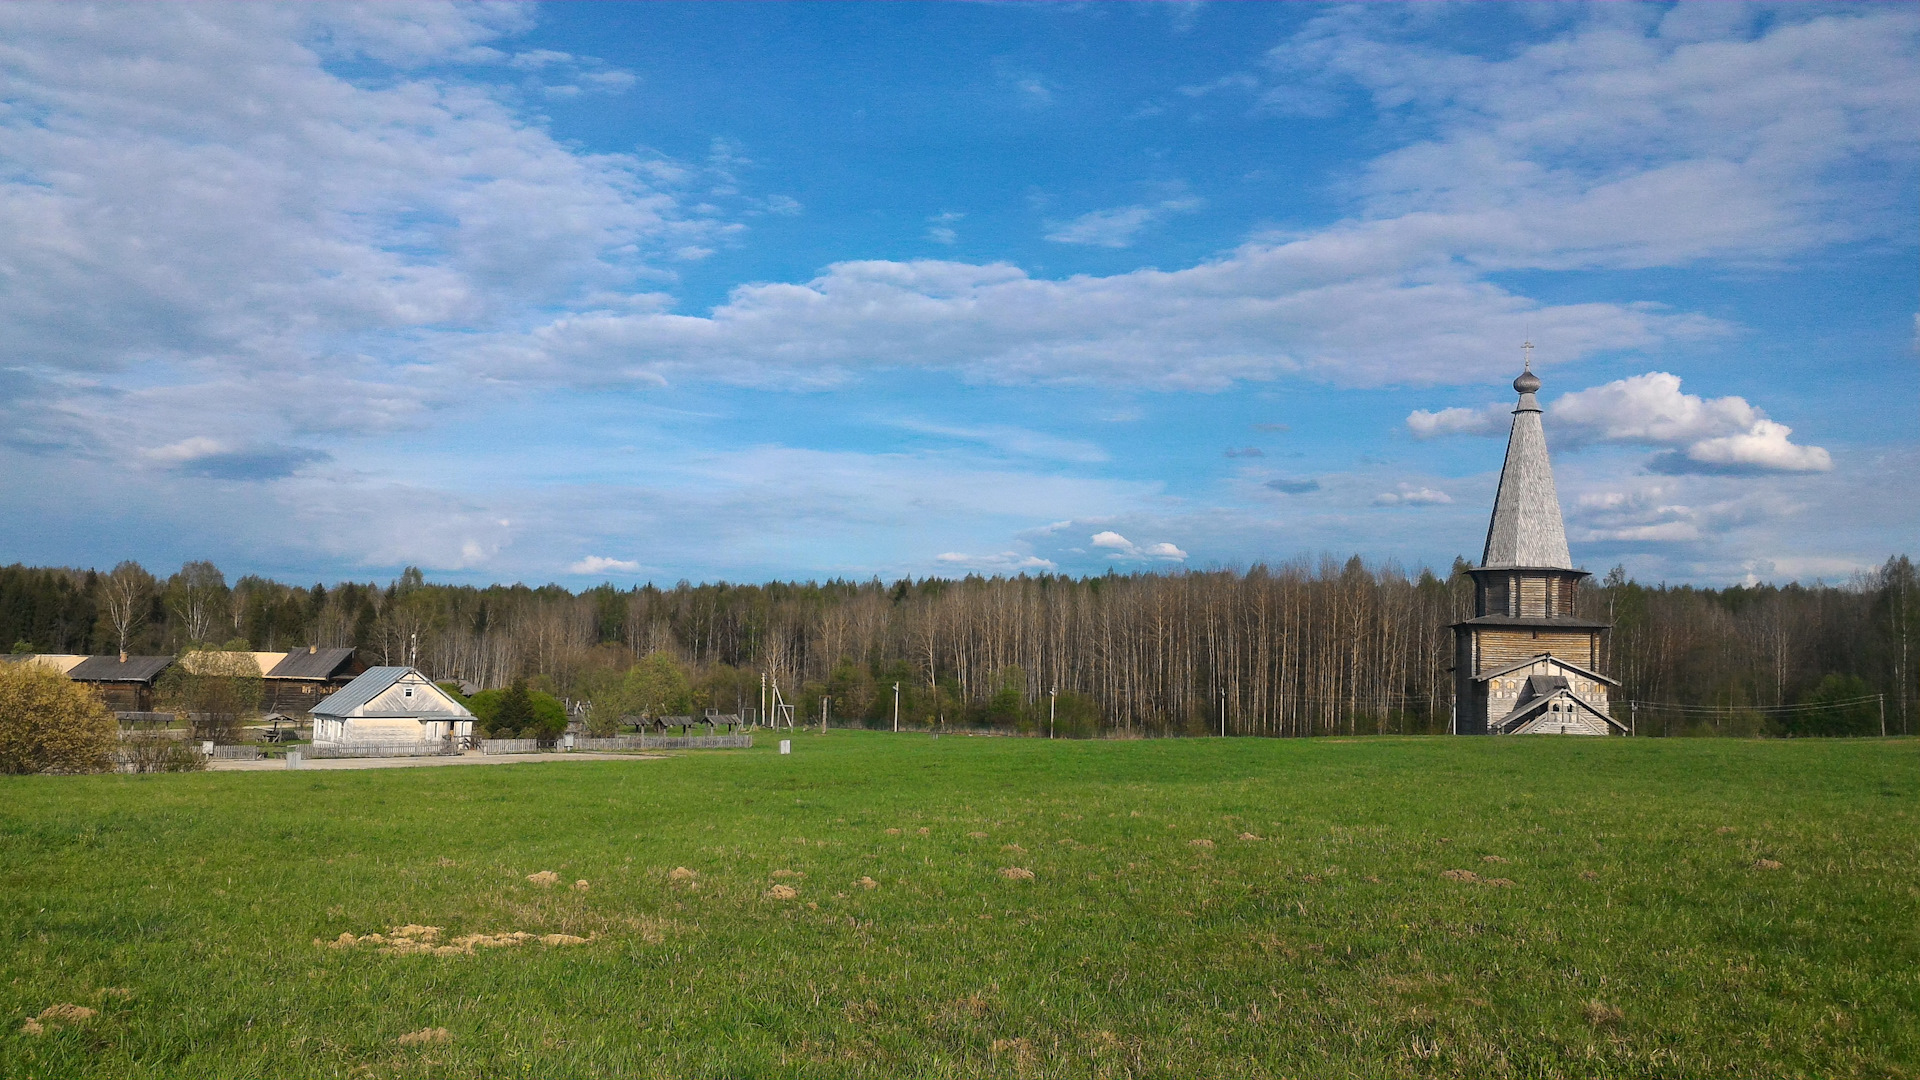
(1196, 908)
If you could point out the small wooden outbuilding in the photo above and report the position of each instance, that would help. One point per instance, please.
(124, 682)
(303, 677)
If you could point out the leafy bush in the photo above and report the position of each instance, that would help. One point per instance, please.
(49, 723)
(152, 752)
(215, 688)
(518, 713)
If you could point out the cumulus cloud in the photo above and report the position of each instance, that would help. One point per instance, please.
(1707, 435)
(1409, 495)
(1489, 419)
(600, 564)
(1125, 548)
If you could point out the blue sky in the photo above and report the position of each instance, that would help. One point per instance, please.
(645, 292)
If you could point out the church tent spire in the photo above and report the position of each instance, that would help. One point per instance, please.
(1527, 529)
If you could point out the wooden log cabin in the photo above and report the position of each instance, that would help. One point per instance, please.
(1526, 664)
(125, 683)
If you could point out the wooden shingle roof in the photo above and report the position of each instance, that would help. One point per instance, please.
(113, 669)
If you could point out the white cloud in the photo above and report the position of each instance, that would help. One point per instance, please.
(239, 217)
(1726, 434)
(1005, 562)
(1409, 495)
(1117, 227)
(1259, 313)
(599, 564)
(1017, 441)
(1489, 419)
(940, 228)
(1706, 435)
(188, 449)
(1109, 540)
(1631, 140)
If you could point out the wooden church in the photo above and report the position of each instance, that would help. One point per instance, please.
(1526, 664)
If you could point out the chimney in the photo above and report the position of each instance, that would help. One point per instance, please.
(123, 656)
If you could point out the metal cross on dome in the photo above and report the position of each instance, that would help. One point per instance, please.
(1526, 352)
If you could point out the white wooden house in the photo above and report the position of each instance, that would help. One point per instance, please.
(390, 705)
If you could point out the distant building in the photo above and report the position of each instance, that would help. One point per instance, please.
(390, 706)
(301, 678)
(124, 682)
(1525, 664)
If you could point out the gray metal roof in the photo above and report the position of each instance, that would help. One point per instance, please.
(369, 685)
(113, 669)
(320, 664)
(1526, 529)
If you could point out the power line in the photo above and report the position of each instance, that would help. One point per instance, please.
(1723, 709)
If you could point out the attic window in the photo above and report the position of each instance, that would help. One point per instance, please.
(409, 691)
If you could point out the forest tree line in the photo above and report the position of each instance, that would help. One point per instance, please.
(1297, 649)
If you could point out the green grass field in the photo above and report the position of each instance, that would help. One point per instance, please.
(1644, 932)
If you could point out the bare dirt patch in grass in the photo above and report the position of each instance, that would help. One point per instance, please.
(414, 939)
(978, 835)
(1250, 836)
(1492, 859)
(426, 1037)
(867, 883)
(782, 892)
(544, 878)
(1203, 843)
(681, 873)
(1765, 864)
(54, 1017)
(1016, 873)
(1601, 1014)
(582, 885)
(788, 874)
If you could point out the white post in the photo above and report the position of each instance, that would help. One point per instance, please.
(896, 708)
(786, 746)
(1052, 692)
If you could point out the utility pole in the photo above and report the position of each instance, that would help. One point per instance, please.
(896, 708)
(1633, 718)
(1054, 691)
(1883, 716)
(1223, 712)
